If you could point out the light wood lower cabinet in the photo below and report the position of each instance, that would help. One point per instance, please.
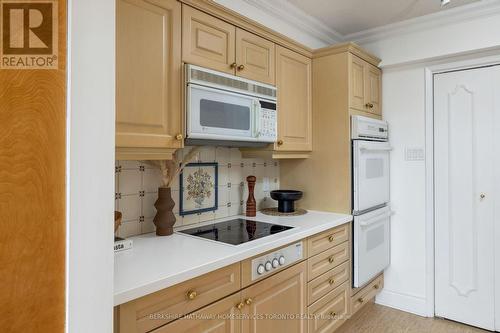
(330, 311)
(328, 239)
(269, 302)
(328, 281)
(366, 293)
(161, 307)
(148, 79)
(325, 261)
(221, 316)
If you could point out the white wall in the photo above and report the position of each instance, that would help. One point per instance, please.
(405, 58)
(91, 121)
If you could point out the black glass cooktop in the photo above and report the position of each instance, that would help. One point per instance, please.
(236, 231)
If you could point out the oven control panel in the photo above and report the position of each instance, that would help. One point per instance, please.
(272, 261)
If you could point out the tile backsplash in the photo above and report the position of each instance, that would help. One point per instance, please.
(137, 185)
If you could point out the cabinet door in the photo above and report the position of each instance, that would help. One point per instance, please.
(221, 316)
(267, 303)
(207, 41)
(293, 80)
(357, 86)
(148, 74)
(373, 89)
(254, 57)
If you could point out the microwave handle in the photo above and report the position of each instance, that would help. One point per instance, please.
(376, 219)
(256, 108)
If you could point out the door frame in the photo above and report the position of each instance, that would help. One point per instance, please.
(469, 61)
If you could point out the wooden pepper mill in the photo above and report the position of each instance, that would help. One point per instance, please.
(251, 204)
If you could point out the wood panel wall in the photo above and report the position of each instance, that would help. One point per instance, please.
(32, 195)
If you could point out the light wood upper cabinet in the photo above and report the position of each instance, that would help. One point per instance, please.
(358, 86)
(293, 80)
(207, 41)
(254, 57)
(373, 89)
(283, 293)
(148, 76)
(365, 86)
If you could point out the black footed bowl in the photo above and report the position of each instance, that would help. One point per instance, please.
(286, 199)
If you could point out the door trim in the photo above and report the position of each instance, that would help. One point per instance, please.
(474, 60)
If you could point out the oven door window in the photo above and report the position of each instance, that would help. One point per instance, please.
(371, 174)
(218, 114)
(371, 245)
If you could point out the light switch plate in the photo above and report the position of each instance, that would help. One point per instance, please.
(414, 154)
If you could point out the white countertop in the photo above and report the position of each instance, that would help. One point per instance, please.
(156, 263)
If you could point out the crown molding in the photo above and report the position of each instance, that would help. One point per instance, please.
(296, 17)
(480, 9)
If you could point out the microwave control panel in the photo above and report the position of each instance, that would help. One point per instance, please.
(268, 122)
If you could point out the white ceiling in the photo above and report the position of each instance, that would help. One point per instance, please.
(351, 16)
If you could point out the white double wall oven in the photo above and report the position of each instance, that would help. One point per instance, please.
(371, 187)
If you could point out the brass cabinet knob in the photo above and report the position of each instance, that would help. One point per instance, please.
(331, 259)
(376, 286)
(332, 314)
(241, 67)
(331, 281)
(248, 301)
(331, 238)
(369, 105)
(192, 294)
(361, 300)
(178, 137)
(240, 305)
(233, 65)
(280, 142)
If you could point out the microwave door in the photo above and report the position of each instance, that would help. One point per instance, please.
(219, 114)
(371, 174)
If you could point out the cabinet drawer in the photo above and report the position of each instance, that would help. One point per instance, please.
(367, 293)
(327, 239)
(330, 311)
(218, 317)
(161, 307)
(327, 260)
(328, 281)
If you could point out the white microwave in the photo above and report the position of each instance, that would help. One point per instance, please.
(228, 110)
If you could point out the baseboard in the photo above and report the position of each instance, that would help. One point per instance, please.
(404, 302)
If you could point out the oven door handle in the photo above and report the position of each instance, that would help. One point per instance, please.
(376, 219)
(372, 148)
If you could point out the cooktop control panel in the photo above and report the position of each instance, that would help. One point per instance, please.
(270, 262)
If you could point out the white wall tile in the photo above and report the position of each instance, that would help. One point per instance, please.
(130, 206)
(131, 179)
(151, 179)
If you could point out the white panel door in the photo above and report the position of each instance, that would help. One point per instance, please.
(464, 196)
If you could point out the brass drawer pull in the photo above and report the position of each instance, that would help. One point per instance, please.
(332, 314)
(361, 300)
(280, 142)
(233, 65)
(331, 259)
(178, 137)
(369, 105)
(240, 305)
(376, 286)
(192, 294)
(241, 67)
(331, 238)
(248, 301)
(331, 281)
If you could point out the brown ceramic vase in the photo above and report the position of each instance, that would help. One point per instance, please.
(164, 219)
